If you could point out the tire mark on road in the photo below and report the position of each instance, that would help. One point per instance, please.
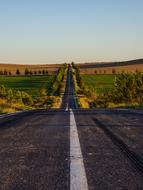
(132, 156)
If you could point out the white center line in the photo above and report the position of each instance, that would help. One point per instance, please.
(78, 179)
(67, 107)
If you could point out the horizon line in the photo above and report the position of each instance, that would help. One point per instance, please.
(6, 63)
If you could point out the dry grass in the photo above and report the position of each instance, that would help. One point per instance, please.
(57, 102)
(8, 110)
(6, 107)
(2, 102)
(84, 102)
(108, 70)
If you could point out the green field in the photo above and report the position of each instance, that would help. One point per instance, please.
(29, 84)
(100, 83)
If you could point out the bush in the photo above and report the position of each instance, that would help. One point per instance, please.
(128, 88)
(26, 99)
(102, 102)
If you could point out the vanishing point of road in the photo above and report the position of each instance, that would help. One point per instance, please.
(71, 148)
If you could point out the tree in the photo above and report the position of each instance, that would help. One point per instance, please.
(39, 72)
(26, 71)
(26, 99)
(42, 92)
(9, 73)
(2, 91)
(5, 72)
(113, 71)
(43, 72)
(17, 96)
(9, 95)
(17, 72)
(1, 72)
(35, 72)
(31, 72)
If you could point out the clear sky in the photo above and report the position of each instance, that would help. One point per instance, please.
(55, 31)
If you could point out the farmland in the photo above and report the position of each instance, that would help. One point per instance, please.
(29, 84)
(31, 91)
(100, 83)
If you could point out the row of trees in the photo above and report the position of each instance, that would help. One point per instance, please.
(26, 72)
(106, 71)
(5, 72)
(36, 72)
(57, 84)
(79, 80)
(113, 71)
(81, 88)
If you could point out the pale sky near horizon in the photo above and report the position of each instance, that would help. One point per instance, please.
(57, 31)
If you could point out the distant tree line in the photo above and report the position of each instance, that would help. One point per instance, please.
(5, 72)
(36, 72)
(26, 72)
(113, 71)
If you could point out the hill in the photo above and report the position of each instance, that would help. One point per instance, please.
(108, 68)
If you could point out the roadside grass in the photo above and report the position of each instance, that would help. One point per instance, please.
(100, 83)
(84, 102)
(6, 107)
(29, 84)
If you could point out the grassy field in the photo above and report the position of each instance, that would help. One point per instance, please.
(100, 83)
(30, 84)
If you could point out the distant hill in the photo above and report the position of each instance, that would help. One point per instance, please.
(111, 64)
(107, 67)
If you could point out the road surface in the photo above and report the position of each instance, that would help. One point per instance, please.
(71, 148)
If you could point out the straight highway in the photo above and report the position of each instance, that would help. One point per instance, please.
(71, 148)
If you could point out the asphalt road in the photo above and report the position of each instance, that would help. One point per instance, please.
(35, 147)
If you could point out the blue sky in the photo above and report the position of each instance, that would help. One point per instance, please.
(55, 31)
